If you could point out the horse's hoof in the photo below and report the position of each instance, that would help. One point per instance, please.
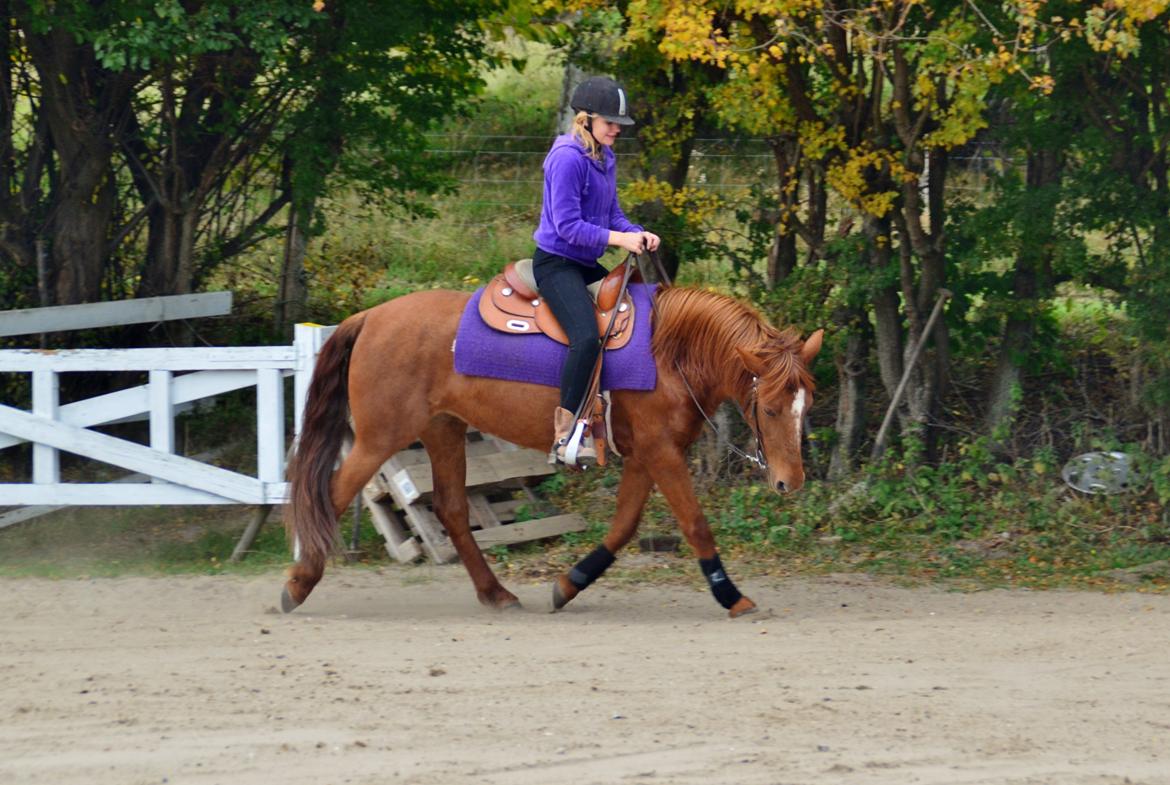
(743, 606)
(287, 603)
(562, 593)
(500, 600)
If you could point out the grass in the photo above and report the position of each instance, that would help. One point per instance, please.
(759, 534)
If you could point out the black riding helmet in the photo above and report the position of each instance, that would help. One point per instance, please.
(604, 97)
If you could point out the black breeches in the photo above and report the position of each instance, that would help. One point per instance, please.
(562, 284)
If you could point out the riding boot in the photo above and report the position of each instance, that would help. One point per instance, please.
(564, 424)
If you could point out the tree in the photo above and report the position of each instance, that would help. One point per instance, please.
(169, 137)
(864, 100)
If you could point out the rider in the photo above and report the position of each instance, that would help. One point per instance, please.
(579, 219)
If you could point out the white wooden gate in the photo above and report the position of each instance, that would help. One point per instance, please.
(176, 376)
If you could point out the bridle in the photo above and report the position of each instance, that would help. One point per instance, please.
(758, 459)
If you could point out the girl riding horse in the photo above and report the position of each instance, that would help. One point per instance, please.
(579, 218)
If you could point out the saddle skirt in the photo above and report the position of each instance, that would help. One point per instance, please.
(511, 304)
(537, 359)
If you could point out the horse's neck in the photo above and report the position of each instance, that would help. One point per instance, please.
(707, 357)
(721, 379)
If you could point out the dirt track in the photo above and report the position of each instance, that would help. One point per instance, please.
(401, 677)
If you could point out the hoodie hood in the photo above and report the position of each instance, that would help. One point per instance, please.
(568, 140)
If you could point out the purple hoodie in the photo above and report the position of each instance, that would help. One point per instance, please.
(580, 203)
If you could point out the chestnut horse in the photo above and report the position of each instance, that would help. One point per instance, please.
(392, 367)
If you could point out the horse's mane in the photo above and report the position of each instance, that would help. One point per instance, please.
(698, 330)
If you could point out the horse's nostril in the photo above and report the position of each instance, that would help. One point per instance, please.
(780, 486)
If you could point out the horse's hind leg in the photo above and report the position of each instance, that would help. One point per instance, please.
(633, 491)
(355, 471)
(444, 440)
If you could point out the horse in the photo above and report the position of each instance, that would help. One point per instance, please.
(391, 367)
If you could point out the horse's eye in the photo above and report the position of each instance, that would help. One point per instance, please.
(769, 412)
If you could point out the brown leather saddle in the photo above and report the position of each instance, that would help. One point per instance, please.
(510, 303)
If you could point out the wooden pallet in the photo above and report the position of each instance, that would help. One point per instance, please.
(398, 497)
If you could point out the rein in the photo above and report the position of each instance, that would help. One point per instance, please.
(754, 423)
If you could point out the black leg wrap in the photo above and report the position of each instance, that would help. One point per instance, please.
(721, 586)
(591, 567)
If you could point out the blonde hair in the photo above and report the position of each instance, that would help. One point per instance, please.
(580, 132)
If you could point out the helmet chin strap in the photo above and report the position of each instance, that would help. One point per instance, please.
(589, 127)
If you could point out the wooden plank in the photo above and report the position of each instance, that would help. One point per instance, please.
(530, 530)
(480, 511)
(22, 514)
(406, 479)
(46, 389)
(86, 494)
(128, 404)
(483, 470)
(428, 528)
(28, 321)
(422, 521)
(269, 425)
(162, 411)
(505, 511)
(216, 358)
(30, 511)
(307, 342)
(400, 543)
(128, 455)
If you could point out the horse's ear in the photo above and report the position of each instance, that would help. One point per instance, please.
(812, 347)
(752, 361)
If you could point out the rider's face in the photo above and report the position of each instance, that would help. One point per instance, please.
(604, 131)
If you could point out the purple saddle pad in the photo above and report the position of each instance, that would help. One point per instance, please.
(536, 358)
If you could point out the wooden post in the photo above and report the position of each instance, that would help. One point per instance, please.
(45, 400)
(249, 535)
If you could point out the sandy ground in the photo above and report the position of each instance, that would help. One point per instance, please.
(398, 676)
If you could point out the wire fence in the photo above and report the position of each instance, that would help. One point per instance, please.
(505, 170)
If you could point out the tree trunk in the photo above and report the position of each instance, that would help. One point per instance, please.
(851, 396)
(887, 317)
(82, 105)
(573, 76)
(676, 175)
(1031, 285)
(170, 251)
(292, 299)
(782, 255)
(79, 229)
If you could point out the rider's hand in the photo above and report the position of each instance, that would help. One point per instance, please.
(627, 241)
(634, 242)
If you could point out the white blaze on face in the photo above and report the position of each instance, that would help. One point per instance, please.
(798, 414)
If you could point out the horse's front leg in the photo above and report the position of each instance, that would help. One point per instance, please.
(674, 480)
(633, 491)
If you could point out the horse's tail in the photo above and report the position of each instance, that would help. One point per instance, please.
(309, 516)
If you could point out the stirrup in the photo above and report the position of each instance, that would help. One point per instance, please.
(573, 451)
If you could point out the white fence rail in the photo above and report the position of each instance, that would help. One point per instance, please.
(177, 376)
(89, 315)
